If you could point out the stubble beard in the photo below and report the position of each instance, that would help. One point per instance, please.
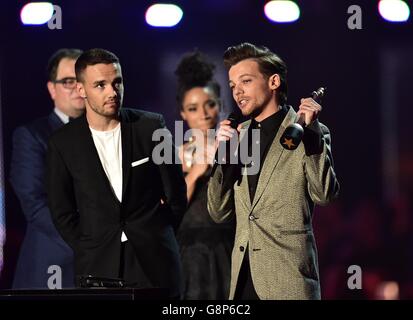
(107, 114)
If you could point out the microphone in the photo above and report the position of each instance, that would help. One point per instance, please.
(235, 118)
(293, 134)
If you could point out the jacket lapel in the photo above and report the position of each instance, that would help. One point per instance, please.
(92, 153)
(54, 121)
(126, 132)
(244, 187)
(272, 158)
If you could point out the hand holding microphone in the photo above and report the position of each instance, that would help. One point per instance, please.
(225, 132)
(227, 129)
(308, 112)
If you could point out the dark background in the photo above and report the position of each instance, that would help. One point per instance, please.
(368, 74)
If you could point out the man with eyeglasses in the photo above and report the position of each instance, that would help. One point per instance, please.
(45, 260)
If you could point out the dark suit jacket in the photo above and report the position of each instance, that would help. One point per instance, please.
(91, 219)
(42, 245)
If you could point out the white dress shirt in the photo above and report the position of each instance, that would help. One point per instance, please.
(64, 117)
(109, 147)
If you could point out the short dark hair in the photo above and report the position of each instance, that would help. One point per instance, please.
(92, 57)
(195, 70)
(53, 64)
(268, 62)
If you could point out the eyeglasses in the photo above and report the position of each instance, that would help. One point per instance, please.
(68, 83)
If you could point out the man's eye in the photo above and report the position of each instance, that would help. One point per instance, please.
(246, 80)
(192, 109)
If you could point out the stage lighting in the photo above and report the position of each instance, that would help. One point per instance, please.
(35, 13)
(163, 15)
(394, 10)
(282, 11)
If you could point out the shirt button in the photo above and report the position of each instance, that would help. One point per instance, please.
(241, 248)
(251, 217)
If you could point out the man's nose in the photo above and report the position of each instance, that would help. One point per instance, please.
(115, 92)
(238, 90)
(75, 93)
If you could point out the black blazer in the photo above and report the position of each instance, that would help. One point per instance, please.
(88, 214)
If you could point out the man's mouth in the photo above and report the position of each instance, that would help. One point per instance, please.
(242, 103)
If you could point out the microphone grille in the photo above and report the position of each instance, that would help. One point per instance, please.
(235, 118)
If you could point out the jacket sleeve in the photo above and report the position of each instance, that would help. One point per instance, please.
(173, 182)
(221, 194)
(27, 177)
(322, 183)
(61, 196)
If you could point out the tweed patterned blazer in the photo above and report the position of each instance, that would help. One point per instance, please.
(277, 225)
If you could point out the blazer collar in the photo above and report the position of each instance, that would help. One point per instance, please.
(273, 157)
(271, 160)
(55, 121)
(126, 134)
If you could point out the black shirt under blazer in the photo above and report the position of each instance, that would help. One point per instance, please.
(91, 219)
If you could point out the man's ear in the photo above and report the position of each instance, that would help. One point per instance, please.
(274, 81)
(52, 89)
(81, 90)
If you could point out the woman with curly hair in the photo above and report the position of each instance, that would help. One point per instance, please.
(205, 246)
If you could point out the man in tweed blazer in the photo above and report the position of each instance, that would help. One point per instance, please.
(274, 254)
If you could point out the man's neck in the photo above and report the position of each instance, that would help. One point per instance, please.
(101, 123)
(69, 113)
(268, 111)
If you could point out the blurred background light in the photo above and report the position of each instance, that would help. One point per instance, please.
(36, 13)
(163, 15)
(394, 10)
(282, 11)
(388, 290)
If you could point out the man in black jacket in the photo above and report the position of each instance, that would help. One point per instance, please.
(109, 199)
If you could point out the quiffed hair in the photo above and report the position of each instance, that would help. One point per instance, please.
(92, 57)
(268, 62)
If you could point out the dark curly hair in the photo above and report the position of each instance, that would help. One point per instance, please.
(195, 70)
